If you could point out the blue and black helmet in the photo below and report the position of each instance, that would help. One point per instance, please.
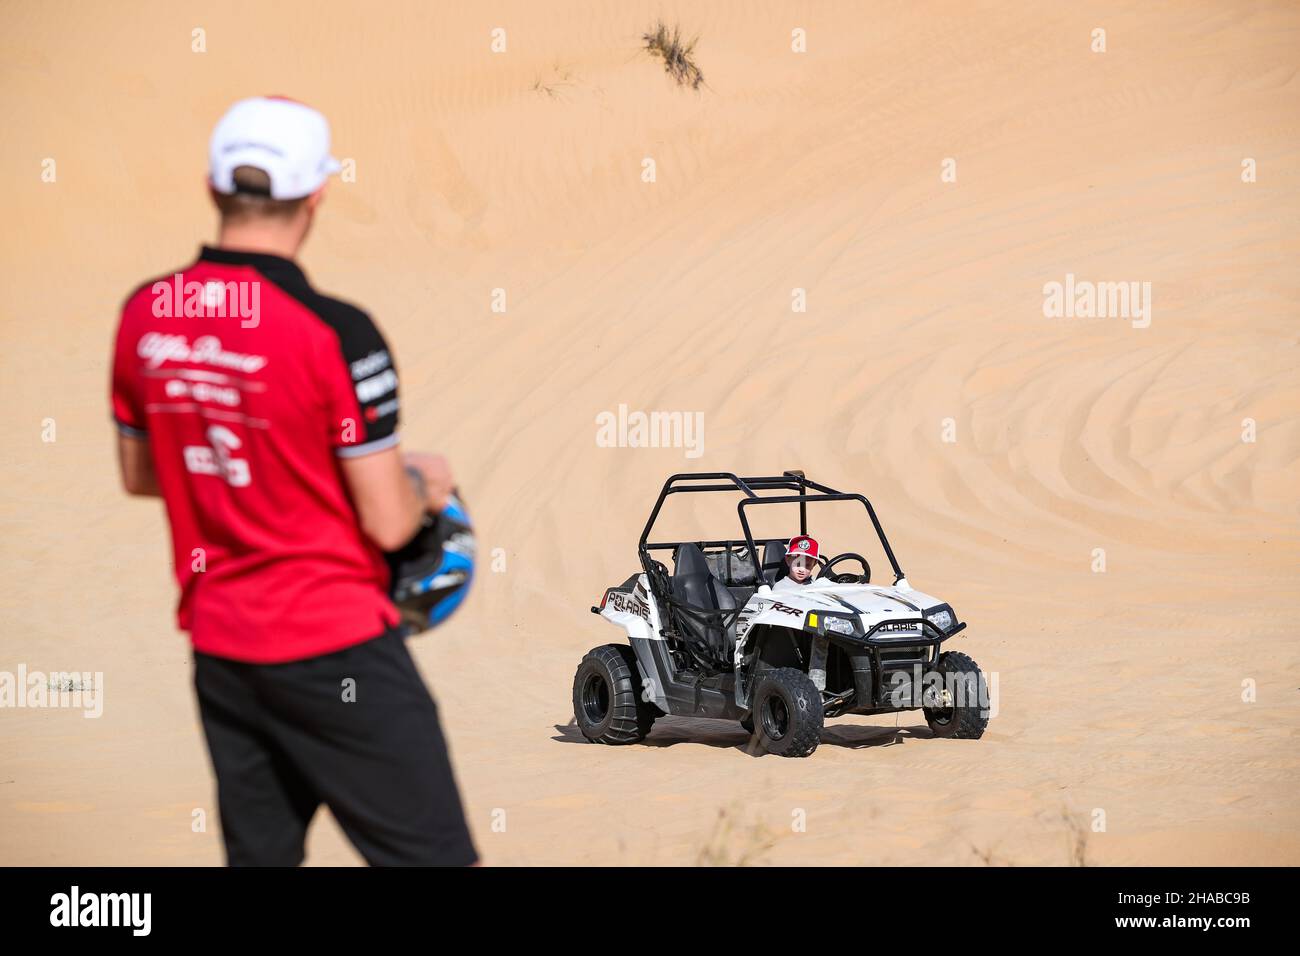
(431, 575)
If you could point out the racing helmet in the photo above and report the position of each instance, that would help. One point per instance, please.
(431, 574)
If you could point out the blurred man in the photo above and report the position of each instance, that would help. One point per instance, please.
(265, 415)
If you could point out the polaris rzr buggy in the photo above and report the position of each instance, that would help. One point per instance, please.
(719, 637)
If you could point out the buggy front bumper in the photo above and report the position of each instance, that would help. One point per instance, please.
(902, 632)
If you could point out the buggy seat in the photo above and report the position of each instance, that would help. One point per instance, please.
(773, 562)
(705, 607)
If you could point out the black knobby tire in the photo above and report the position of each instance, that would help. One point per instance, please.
(968, 716)
(787, 713)
(607, 704)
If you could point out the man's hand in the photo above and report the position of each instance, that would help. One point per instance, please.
(436, 473)
(386, 498)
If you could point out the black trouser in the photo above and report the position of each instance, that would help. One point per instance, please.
(285, 738)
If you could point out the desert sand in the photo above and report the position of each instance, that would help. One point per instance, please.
(1000, 446)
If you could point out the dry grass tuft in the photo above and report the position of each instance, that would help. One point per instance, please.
(677, 54)
(732, 845)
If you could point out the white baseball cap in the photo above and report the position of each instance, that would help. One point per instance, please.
(288, 141)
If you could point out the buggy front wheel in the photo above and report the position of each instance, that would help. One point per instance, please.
(962, 711)
(788, 713)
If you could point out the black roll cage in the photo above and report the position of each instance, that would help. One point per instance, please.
(806, 491)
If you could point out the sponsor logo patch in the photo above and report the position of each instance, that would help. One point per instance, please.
(202, 392)
(627, 604)
(156, 348)
(371, 388)
(372, 363)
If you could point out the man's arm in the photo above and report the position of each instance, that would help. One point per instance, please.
(389, 498)
(358, 381)
(135, 462)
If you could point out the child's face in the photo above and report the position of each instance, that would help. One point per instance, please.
(800, 567)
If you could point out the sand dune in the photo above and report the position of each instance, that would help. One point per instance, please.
(1119, 691)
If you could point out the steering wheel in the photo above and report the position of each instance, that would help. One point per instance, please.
(844, 578)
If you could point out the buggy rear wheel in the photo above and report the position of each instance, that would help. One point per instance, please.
(607, 704)
(788, 714)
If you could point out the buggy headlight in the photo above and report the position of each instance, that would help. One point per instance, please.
(941, 617)
(820, 623)
(840, 625)
(831, 623)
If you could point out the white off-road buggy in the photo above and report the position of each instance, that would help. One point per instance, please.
(720, 636)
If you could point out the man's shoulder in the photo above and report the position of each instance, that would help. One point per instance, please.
(330, 308)
(148, 290)
(359, 339)
(351, 323)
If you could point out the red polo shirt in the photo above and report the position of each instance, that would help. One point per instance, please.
(249, 386)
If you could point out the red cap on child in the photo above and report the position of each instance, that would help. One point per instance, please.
(802, 545)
